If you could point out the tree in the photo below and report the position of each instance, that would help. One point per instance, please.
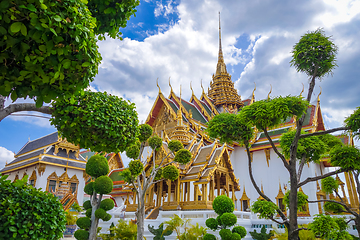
(262, 235)
(49, 48)
(29, 213)
(224, 207)
(140, 180)
(98, 168)
(315, 55)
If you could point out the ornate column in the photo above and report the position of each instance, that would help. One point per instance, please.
(195, 193)
(188, 191)
(178, 191)
(218, 183)
(227, 184)
(169, 191)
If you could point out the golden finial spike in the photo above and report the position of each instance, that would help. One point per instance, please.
(202, 87)
(180, 95)
(253, 95)
(270, 92)
(170, 85)
(157, 84)
(302, 90)
(318, 98)
(191, 89)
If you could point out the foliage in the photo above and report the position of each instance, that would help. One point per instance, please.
(89, 189)
(353, 122)
(88, 212)
(145, 132)
(209, 236)
(262, 235)
(103, 185)
(107, 217)
(270, 113)
(176, 224)
(329, 227)
(133, 151)
(302, 200)
(223, 204)
(107, 204)
(212, 223)
(97, 166)
(264, 208)
(331, 141)
(228, 219)
(155, 142)
(100, 213)
(333, 207)
(346, 157)
(160, 232)
(229, 128)
(87, 204)
(136, 167)
(48, 49)
(81, 234)
(94, 119)
(314, 54)
(183, 156)
(126, 175)
(170, 172)
(225, 234)
(84, 223)
(70, 217)
(175, 145)
(329, 184)
(27, 212)
(111, 15)
(240, 230)
(195, 232)
(303, 234)
(310, 147)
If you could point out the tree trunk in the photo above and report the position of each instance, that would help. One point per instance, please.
(140, 214)
(357, 225)
(95, 203)
(19, 107)
(293, 225)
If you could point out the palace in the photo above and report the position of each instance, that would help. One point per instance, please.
(218, 168)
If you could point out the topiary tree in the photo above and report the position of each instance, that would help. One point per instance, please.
(49, 48)
(327, 227)
(224, 207)
(29, 213)
(160, 232)
(139, 180)
(98, 168)
(262, 235)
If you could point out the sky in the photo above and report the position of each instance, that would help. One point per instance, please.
(179, 39)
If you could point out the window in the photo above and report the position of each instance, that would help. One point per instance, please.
(281, 204)
(60, 182)
(52, 186)
(245, 205)
(32, 182)
(73, 187)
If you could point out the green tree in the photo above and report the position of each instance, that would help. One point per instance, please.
(29, 213)
(140, 180)
(49, 47)
(315, 55)
(262, 235)
(224, 207)
(159, 233)
(98, 168)
(123, 230)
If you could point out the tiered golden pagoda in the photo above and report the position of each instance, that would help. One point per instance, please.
(222, 90)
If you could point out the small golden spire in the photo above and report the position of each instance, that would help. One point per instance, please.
(170, 85)
(202, 87)
(318, 98)
(253, 95)
(270, 92)
(192, 91)
(157, 84)
(302, 90)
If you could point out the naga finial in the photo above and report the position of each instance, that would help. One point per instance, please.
(318, 98)
(191, 89)
(270, 92)
(253, 95)
(302, 90)
(202, 87)
(157, 84)
(170, 85)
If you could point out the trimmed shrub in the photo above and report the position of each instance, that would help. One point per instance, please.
(84, 223)
(107, 204)
(133, 151)
(218, 219)
(100, 213)
(175, 145)
(81, 234)
(103, 185)
(223, 204)
(235, 236)
(170, 172)
(145, 132)
(155, 142)
(302, 199)
(225, 234)
(136, 167)
(329, 184)
(97, 166)
(23, 205)
(346, 157)
(107, 217)
(228, 219)
(88, 213)
(87, 205)
(211, 223)
(209, 236)
(333, 207)
(89, 188)
(183, 156)
(240, 230)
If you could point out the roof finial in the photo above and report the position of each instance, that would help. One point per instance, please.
(270, 92)
(253, 95)
(302, 90)
(318, 98)
(221, 67)
(202, 87)
(157, 84)
(170, 85)
(191, 89)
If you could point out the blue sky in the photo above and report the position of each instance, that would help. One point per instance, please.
(179, 39)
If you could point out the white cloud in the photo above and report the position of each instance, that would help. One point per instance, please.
(5, 156)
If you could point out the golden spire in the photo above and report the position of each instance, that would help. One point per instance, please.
(192, 91)
(157, 84)
(253, 95)
(318, 98)
(270, 92)
(170, 85)
(302, 90)
(202, 87)
(221, 67)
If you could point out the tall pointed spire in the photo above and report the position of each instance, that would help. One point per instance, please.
(221, 66)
